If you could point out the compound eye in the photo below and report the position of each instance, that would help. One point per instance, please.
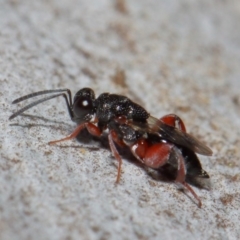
(82, 108)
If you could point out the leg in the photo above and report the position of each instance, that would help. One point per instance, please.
(93, 130)
(115, 138)
(90, 127)
(175, 121)
(181, 172)
(139, 149)
(115, 153)
(193, 193)
(180, 179)
(153, 156)
(158, 155)
(74, 134)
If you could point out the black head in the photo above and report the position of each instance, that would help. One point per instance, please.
(83, 105)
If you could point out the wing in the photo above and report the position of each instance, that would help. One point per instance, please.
(172, 134)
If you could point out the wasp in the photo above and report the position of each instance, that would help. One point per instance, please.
(156, 143)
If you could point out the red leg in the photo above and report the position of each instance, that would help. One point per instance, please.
(175, 121)
(74, 134)
(139, 149)
(115, 153)
(92, 129)
(193, 193)
(181, 173)
(158, 155)
(153, 156)
(180, 179)
(116, 139)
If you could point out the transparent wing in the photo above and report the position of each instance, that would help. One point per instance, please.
(172, 134)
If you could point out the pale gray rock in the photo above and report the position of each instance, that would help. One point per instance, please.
(178, 57)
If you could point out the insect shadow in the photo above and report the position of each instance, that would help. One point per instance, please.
(34, 117)
(165, 174)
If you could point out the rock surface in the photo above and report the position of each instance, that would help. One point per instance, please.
(178, 57)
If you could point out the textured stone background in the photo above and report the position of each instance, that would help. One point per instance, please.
(170, 56)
